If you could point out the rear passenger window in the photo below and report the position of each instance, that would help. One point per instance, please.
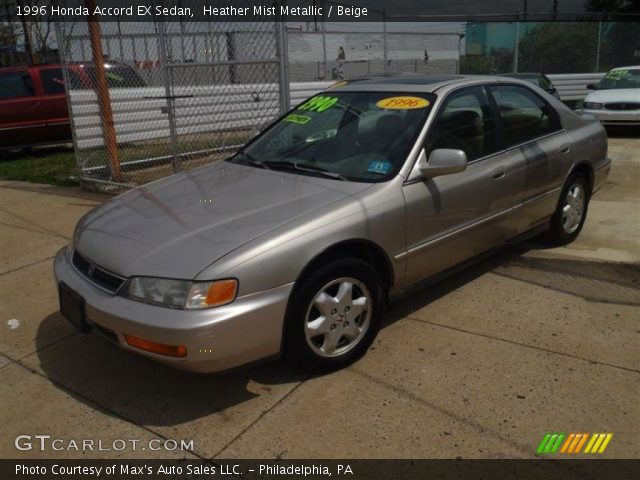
(464, 123)
(16, 84)
(52, 81)
(524, 114)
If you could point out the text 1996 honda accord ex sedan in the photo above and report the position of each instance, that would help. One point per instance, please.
(295, 244)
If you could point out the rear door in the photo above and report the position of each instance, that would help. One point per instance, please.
(539, 146)
(454, 217)
(21, 117)
(54, 104)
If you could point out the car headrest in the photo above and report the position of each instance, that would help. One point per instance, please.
(389, 125)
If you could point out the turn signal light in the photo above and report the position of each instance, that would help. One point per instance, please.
(222, 292)
(159, 348)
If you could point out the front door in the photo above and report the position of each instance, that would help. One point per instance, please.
(453, 217)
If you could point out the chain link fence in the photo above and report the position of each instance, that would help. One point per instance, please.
(178, 95)
(549, 47)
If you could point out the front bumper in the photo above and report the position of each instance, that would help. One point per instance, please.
(615, 117)
(247, 330)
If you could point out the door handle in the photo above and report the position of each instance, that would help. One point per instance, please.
(34, 105)
(498, 174)
(564, 149)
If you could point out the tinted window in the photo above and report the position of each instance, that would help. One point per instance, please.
(464, 123)
(525, 115)
(545, 82)
(52, 81)
(118, 76)
(623, 78)
(16, 84)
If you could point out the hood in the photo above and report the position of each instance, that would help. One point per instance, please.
(178, 226)
(614, 95)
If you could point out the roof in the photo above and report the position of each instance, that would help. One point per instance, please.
(411, 82)
(521, 74)
(626, 68)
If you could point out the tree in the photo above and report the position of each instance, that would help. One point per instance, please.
(559, 48)
(612, 6)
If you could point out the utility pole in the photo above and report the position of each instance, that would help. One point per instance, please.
(102, 91)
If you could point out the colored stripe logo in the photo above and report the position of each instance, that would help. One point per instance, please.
(573, 443)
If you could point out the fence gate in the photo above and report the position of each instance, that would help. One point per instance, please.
(181, 94)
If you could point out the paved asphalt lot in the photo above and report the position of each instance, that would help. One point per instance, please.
(480, 365)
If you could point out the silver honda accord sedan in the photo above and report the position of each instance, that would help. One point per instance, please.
(296, 243)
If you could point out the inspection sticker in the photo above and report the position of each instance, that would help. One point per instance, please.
(379, 167)
(402, 103)
(293, 118)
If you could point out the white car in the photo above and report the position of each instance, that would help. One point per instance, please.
(616, 100)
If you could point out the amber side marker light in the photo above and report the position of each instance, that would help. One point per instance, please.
(159, 348)
(222, 292)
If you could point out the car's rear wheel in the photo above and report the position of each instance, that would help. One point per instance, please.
(571, 213)
(334, 314)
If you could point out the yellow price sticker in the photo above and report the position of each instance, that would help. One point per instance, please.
(402, 103)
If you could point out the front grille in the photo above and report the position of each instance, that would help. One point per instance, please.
(622, 106)
(97, 275)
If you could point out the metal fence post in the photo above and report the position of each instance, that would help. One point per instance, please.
(516, 53)
(324, 43)
(385, 51)
(173, 137)
(598, 46)
(283, 65)
(67, 91)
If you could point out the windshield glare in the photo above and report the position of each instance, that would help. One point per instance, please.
(360, 136)
(620, 79)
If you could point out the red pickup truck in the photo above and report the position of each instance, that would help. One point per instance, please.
(33, 106)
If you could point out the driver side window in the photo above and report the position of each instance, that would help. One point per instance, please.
(464, 123)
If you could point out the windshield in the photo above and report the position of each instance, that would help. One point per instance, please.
(359, 136)
(624, 78)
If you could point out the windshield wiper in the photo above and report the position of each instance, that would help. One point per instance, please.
(250, 160)
(277, 164)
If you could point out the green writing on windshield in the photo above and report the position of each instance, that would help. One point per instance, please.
(617, 74)
(115, 77)
(318, 104)
(300, 119)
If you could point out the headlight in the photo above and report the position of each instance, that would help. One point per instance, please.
(182, 293)
(592, 106)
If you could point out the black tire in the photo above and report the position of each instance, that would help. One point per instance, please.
(558, 234)
(296, 345)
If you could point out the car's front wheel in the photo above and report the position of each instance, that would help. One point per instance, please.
(334, 314)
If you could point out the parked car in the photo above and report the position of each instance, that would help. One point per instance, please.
(296, 243)
(616, 100)
(538, 79)
(33, 107)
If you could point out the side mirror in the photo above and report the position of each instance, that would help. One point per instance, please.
(442, 161)
(552, 90)
(592, 86)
